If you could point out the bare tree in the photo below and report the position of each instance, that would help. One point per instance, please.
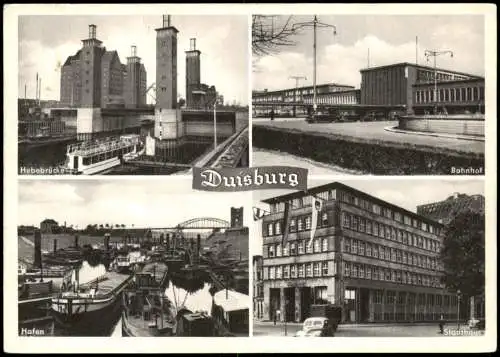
(268, 35)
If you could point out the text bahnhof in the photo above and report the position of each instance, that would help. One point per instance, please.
(378, 260)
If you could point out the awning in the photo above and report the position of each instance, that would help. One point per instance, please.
(235, 300)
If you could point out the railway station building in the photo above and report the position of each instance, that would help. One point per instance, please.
(380, 262)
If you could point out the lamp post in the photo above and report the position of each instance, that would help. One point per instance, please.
(458, 309)
(429, 53)
(315, 23)
(297, 78)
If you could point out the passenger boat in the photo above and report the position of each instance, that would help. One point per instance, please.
(92, 308)
(146, 309)
(93, 157)
(129, 262)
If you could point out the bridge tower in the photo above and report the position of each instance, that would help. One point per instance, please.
(167, 116)
(193, 79)
(89, 118)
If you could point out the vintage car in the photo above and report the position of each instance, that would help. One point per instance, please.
(313, 326)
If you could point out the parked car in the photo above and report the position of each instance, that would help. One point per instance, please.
(323, 116)
(313, 326)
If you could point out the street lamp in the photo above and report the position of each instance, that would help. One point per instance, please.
(297, 78)
(429, 53)
(458, 309)
(215, 126)
(315, 23)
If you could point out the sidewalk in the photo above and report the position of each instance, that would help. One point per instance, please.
(463, 325)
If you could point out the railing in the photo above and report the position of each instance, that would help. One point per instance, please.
(86, 148)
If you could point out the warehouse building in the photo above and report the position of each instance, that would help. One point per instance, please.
(95, 77)
(380, 262)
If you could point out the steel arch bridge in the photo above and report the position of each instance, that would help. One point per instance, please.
(204, 223)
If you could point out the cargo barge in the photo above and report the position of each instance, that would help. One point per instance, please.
(92, 308)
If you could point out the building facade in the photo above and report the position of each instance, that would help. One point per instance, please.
(95, 78)
(378, 261)
(282, 101)
(457, 96)
(258, 288)
(444, 211)
(393, 85)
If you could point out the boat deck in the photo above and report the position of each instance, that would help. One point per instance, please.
(106, 284)
(138, 327)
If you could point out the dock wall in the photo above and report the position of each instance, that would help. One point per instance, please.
(444, 125)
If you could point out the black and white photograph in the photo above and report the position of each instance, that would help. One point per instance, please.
(357, 258)
(152, 263)
(132, 95)
(369, 94)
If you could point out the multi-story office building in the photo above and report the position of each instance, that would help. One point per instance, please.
(444, 211)
(258, 288)
(95, 77)
(380, 262)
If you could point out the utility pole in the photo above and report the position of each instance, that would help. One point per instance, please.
(297, 79)
(315, 24)
(429, 53)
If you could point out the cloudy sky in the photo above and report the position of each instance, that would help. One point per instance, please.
(406, 193)
(142, 202)
(391, 39)
(46, 41)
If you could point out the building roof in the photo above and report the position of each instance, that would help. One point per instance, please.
(49, 221)
(235, 301)
(70, 59)
(418, 66)
(334, 185)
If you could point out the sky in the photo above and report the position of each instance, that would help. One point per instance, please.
(46, 41)
(390, 39)
(407, 193)
(141, 202)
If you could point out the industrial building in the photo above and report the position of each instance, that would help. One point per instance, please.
(380, 262)
(198, 95)
(400, 87)
(95, 77)
(444, 211)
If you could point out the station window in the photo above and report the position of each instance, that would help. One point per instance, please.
(309, 269)
(285, 250)
(347, 245)
(346, 220)
(293, 225)
(277, 227)
(293, 250)
(300, 247)
(324, 268)
(278, 250)
(347, 269)
(316, 269)
(293, 271)
(316, 244)
(278, 272)
(300, 224)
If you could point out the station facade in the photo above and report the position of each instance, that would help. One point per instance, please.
(397, 87)
(378, 261)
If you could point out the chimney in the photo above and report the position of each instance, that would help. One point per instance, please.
(133, 51)
(168, 241)
(55, 245)
(76, 240)
(192, 44)
(38, 249)
(106, 241)
(162, 238)
(198, 244)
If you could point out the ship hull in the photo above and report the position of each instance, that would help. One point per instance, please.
(97, 318)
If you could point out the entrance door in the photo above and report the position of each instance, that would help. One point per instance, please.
(305, 303)
(274, 302)
(290, 304)
(75, 162)
(364, 305)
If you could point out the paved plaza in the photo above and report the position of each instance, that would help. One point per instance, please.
(265, 328)
(374, 131)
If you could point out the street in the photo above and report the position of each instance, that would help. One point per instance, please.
(374, 131)
(261, 328)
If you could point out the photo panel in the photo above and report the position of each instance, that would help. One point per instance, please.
(131, 95)
(95, 262)
(369, 94)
